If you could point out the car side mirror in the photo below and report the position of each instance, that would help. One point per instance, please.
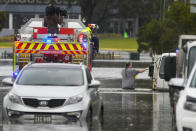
(94, 84)
(8, 81)
(176, 83)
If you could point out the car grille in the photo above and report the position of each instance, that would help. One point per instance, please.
(52, 103)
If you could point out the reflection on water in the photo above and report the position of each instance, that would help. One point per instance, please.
(162, 113)
(75, 126)
(137, 112)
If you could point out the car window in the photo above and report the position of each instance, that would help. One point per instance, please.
(89, 77)
(192, 59)
(161, 71)
(193, 82)
(51, 77)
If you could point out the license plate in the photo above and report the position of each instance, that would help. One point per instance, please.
(42, 119)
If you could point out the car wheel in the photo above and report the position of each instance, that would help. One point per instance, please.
(101, 115)
(89, 117)
(174, 121)
(4, 116)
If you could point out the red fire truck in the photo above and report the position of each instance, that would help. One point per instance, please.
(33, 43)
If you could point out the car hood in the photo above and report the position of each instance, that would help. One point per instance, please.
(47, 91)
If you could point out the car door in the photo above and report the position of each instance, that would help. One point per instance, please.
(93, 93)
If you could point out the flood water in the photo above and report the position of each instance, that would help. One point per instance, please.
(124, 110)
(137, 112)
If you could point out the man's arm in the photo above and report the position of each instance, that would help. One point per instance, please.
(140, 71)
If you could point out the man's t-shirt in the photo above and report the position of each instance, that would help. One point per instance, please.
(52, 23)
(128, 78)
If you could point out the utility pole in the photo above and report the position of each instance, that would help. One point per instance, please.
(162, 9)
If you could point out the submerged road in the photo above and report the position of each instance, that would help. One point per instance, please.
(124, 110)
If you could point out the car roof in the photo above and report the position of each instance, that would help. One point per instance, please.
(55, 65)
(191, 44)
(168, 54)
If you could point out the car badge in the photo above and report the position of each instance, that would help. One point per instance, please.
(43, 103)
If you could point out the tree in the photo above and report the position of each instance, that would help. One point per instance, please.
(100, 11)
(2, 19)
(162, 35)
(149, 36)
(97, 10)
(87, 8)
(145, 9)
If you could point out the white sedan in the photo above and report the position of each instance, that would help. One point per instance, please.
(51, 91)
(186, 105)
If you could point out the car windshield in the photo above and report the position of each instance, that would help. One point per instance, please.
(192, 59)
(193, 82)
(51, 77)
(162, 65)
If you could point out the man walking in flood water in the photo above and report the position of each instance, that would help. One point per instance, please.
(128, 76)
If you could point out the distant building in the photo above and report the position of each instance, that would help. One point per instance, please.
(19, 11)
(120, 26)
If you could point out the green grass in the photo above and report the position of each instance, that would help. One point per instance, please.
(6, 44)
(129, 44)
(111, 43)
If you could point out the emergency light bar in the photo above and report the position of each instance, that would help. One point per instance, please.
(50, 40)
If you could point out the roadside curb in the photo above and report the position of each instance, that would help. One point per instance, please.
(120, 64)
(115, 49)
(6, 62)
(109, 49)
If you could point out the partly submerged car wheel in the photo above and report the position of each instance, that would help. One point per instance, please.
(89, 117)
(4, 116)
(101, 115)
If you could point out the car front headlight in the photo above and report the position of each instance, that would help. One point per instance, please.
(74, 99)
(14, 98)
(190, 104)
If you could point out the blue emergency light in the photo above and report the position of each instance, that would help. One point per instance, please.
(15, 74)
(177, 50)
(49, 41)
(84, 44)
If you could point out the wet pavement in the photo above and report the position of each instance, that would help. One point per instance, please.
(136, 112)
(124, 110)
